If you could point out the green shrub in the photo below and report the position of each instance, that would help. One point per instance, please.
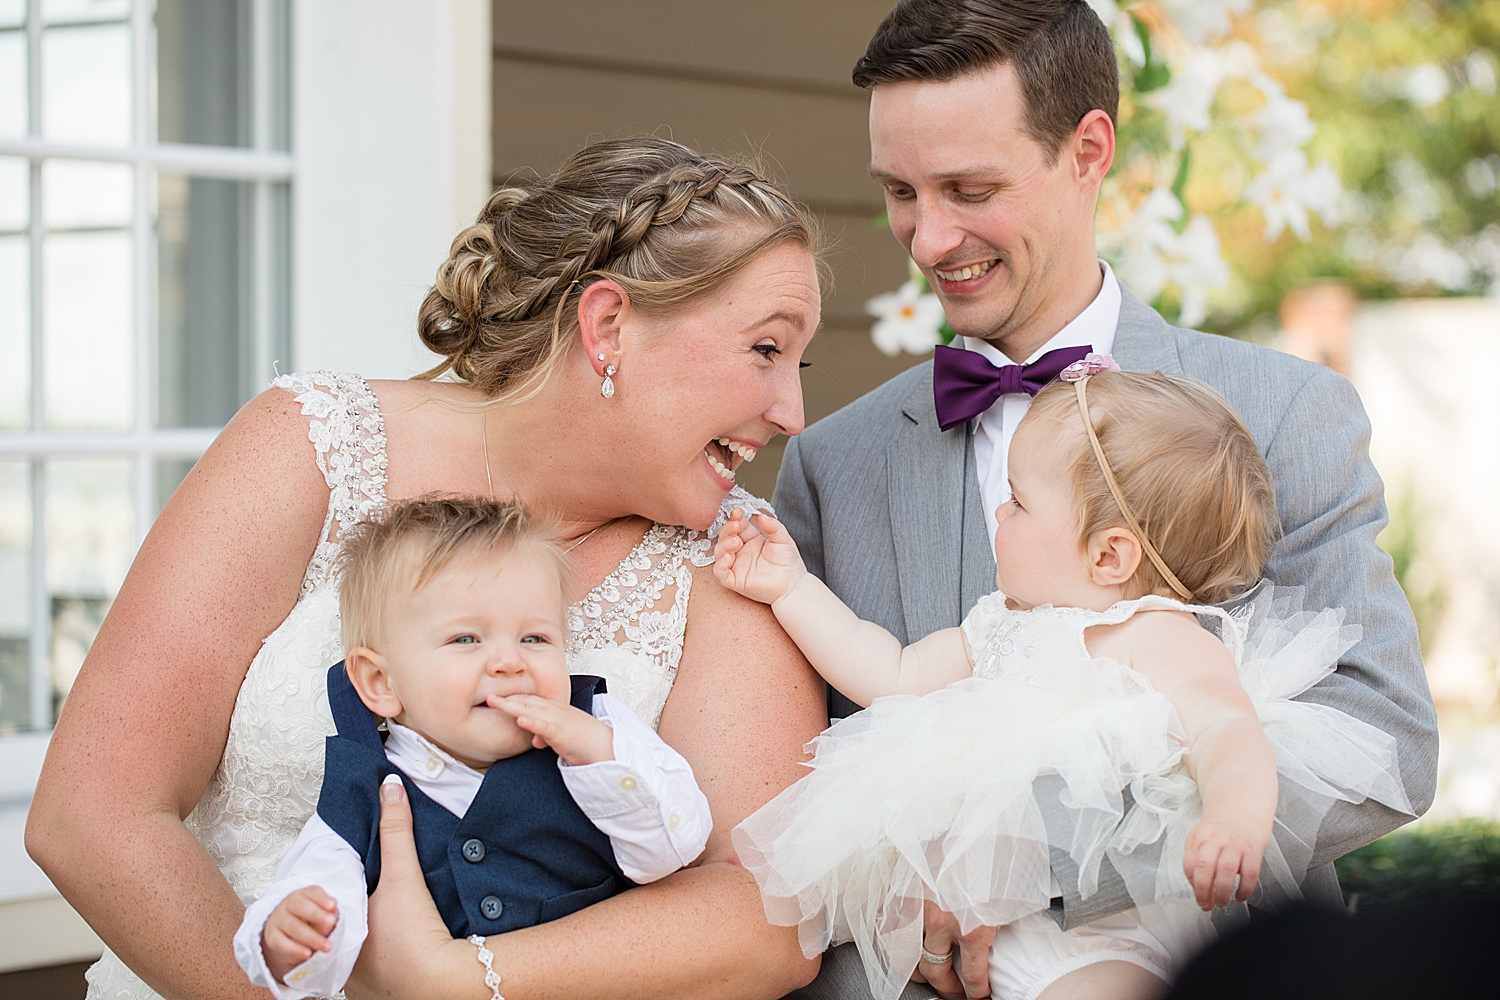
(1462, 854)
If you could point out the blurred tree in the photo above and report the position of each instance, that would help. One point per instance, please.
(1405, 100)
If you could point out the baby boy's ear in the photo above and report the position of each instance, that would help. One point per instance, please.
(370, 674)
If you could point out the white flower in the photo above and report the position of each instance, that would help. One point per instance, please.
(907, 319)
(1283, 123)
(1426, 85)
(1156, 255)
(1202, 20)
(1188, 97)
(1479, 68)
(1288, 189)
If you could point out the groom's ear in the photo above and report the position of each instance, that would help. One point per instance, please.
(602, 308)
(371, 676)
(1114, 555)
(1092, 148)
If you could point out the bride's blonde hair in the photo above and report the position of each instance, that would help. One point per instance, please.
(1188, 469)
(668, 224)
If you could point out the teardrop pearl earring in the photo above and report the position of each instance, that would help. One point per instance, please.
(608, 388)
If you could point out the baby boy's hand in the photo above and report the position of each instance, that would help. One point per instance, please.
(761, 564)
(299, 926)
(1217, 851)
(574, 734)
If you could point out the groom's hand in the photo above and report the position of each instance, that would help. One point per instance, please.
(968, 972)
(758, 560)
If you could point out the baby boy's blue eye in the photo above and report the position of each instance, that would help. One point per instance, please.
(467, 639)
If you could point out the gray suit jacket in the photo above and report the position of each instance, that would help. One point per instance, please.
(886, 510)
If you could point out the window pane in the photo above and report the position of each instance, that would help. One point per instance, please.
(15, 334)
(15, 596)
(89, 358)
(90, 542)
(12, 13)
(86, 84)
(278, 66)
(12, 83)
(78, 194)
(65, 11)
(205, 345)
(15, 193)
(203, 71)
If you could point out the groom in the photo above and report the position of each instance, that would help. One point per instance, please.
(992, 124)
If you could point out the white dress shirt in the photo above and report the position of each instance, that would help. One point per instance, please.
(1093, 328)
(646, 800)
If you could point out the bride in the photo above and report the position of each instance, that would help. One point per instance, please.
(635, 324)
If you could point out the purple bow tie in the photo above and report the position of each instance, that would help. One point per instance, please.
(965, 384)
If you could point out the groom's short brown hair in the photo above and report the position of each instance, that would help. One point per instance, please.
(1060, 49)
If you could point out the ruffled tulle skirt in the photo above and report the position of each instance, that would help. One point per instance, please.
(931, 798)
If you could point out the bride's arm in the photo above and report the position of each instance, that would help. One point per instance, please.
(146, 722)
(743, 704)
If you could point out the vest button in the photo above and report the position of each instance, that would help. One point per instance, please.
(473, 851)
(491, 907)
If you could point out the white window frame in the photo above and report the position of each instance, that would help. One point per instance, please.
(372, 80)
(144, 445)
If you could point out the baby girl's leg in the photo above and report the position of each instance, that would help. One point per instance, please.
(1110, 980)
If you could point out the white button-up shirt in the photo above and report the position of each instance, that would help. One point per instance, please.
(646, 800)
(1093, 328)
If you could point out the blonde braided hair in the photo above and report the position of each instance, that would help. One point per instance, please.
(664, 222)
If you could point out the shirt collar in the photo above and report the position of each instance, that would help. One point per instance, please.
(1093, 328)
(416, 752)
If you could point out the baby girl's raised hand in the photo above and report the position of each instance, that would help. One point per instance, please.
(575, 735)
(1217, 851)
(299, 926)
(759, 561)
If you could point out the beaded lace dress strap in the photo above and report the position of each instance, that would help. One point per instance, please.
(348, 438)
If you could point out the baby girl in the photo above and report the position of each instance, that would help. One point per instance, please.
(533, 794)
(1085, 714)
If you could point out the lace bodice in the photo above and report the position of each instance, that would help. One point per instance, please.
(1033, 646)
(267, 784)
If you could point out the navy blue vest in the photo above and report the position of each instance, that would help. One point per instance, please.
(523, 854)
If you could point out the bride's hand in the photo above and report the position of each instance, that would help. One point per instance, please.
(759, 559)
(406, 951)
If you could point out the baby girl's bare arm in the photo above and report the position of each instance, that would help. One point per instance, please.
(1227, 752)
(861, 659)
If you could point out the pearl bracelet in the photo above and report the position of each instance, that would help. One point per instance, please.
(487, 959)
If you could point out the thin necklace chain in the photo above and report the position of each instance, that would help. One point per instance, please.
(490, 481)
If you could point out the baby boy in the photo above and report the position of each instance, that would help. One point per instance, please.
(533, 794)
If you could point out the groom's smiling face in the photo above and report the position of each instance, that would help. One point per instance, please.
(1002, 228)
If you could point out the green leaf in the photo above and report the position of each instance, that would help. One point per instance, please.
(883, 221)
(1179, 185)
(1154, 74)
(947, 333)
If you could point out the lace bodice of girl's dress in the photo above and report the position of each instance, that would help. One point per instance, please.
(629, 630)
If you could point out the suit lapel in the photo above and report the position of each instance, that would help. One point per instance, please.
(927, 470)
(1143, 340)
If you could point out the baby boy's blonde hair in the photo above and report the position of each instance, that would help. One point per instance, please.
(413, 541)
(1188, 468)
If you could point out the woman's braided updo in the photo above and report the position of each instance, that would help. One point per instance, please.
(664, 222)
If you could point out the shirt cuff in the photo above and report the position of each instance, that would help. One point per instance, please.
(323, 974)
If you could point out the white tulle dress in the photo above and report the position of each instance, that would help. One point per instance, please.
(931, 798)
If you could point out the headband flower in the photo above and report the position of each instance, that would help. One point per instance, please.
(1093, 364)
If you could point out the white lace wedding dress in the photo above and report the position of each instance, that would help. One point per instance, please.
(629, 630)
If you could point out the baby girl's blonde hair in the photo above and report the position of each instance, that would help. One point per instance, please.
(411, 542)
(1188, 469)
